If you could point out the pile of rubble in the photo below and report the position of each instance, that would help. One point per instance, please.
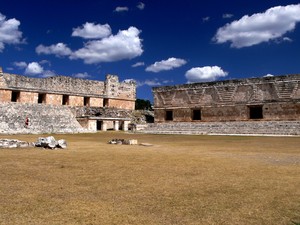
(47, 142)
(50, 142)
(123, 142)
(13, 143)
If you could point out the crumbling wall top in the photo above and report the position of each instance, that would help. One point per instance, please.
(234, 82)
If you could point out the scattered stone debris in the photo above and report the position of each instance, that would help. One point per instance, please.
(13, 143)
(50, 142)
(123, 142)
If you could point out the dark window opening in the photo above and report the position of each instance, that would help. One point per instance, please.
(255, 112)
(169, 115)
(105, 102)
(65, 100)
(15, 96)
(86, 101)
(196, 114)
(41, 98)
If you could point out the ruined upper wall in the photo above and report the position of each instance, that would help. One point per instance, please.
(123, 90)
(111, 88)
(56, 84)
(243, 91)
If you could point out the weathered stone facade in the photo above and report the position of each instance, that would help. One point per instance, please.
(265, 99)
(63, 90)
(55, 97)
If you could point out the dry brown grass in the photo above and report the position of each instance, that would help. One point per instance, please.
(178, 180)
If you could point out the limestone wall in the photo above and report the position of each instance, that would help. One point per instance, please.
(62, 90)
(228, 128)
(278, 97)
(42, 119)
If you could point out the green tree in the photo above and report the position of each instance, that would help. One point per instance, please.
(142, 104)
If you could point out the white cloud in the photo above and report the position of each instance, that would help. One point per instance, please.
(206, 19)
(168, 64)
(227, 16)
(287, 39)
(60, 49)
(268, 75)
(48, 73)
(124, 45)
(153, 82)
(9, 32)
(43, 62)
(260, 27)
(121, 9)
(92, 31)
(138, 64)
(34, 68)
(140, 5)
(20, 65)
(204, 74)
(81, 75)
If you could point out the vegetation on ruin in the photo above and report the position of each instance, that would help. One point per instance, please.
(178, 180)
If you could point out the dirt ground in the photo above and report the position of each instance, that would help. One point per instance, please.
(177, 179)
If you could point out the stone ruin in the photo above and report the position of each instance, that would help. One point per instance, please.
(265, 106)
(45, 143)
(53, 105)
(123, 142)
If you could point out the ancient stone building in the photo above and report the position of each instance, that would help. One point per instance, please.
(65, 94)
(256, 100)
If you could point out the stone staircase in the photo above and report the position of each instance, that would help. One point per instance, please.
(285, 90)
(42, 119)
(227, 128)
(225, 93)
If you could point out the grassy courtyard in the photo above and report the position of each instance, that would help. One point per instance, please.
(178, 180)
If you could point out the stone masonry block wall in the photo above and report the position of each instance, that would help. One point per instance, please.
(121, 104)
(5, 95)
(228, 128)
(42, 119)
(53, 99)
(75, 101)
(278, 96)
(79, 91)
(96, 102)
(28, 97)
(54, 84)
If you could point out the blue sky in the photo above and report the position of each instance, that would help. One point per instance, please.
(153, 42)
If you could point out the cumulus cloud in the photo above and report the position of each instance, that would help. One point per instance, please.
(121, 9)
(204, 74)
(168, 64)
(60, 49)
(227, 16)
(9, 32)
(20, 65)
(138, 64)
(81, 75)
(34, 68)
(140, 5)
(124, 45)
(92, 31)
(260, 27)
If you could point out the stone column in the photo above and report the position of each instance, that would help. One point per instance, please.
(125, 125)
(104, 126)
(116, 125)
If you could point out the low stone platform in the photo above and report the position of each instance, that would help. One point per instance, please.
(268, 128)
(41, 119)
